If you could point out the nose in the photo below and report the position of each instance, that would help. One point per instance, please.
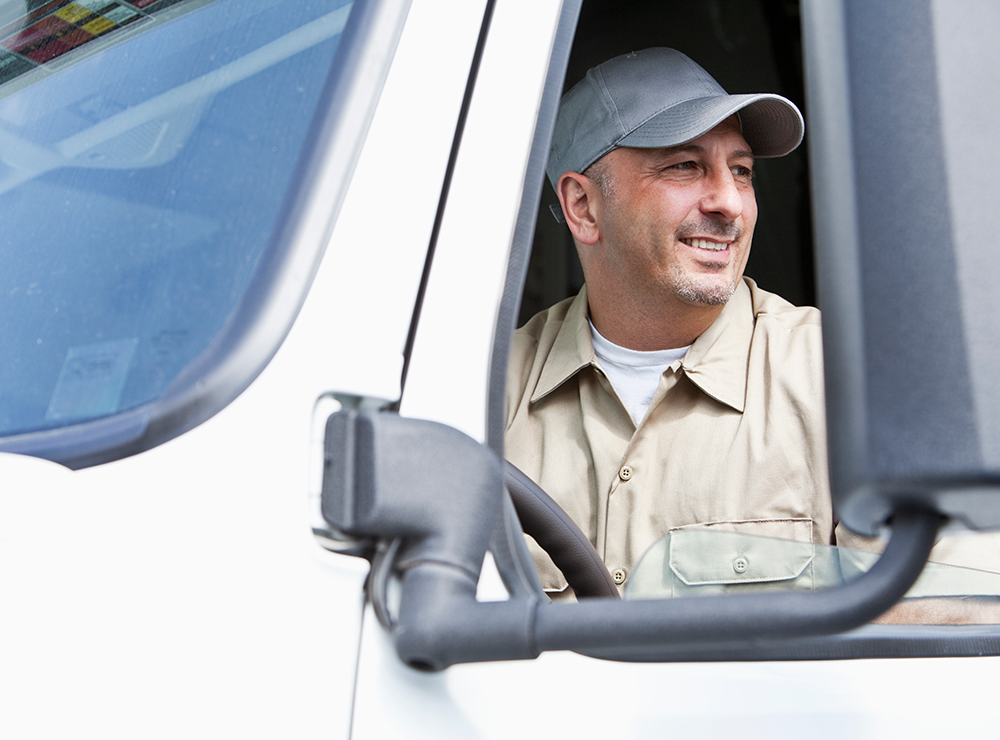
(723, 195)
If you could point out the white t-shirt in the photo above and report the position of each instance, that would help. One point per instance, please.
(635, 375)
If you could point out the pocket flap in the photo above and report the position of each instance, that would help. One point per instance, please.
(741, 552)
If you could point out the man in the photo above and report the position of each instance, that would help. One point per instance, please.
(671, 392)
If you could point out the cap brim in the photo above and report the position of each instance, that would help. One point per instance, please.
(771, 124)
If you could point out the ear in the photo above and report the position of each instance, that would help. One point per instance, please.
(579, 197)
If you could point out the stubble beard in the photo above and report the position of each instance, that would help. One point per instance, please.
(691, 291)
(706, 290)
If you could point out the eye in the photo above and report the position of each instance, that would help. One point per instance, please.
(743, 173)
(685, 170)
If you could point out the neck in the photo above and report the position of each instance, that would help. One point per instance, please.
(670, 325)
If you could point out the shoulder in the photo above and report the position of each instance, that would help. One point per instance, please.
(780, 314)
(533, 343)
(792, 332)
(789, 338)
(544, 325)
(546, 350)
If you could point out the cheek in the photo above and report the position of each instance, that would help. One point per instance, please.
(749, 211)
(638, 220)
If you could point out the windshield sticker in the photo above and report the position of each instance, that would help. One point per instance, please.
(91, 380)
(47, 33)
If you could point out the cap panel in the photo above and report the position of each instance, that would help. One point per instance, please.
(646, 83)
(587, 127)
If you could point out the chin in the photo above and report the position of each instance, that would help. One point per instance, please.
(707, 294)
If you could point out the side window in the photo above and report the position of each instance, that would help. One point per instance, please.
(151, 150)
(712, 540)
(748, 48)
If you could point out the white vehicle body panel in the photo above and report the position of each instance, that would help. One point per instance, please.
(471, 255)
(567, 695)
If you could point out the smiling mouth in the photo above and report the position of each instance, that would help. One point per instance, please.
(706, 244)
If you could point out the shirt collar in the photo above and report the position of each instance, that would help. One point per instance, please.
(716, 362)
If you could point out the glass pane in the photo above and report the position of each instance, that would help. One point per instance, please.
(140, 183)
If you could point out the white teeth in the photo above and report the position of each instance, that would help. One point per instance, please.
(705, 244)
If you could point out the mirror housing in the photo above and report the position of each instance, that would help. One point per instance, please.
(903, 143)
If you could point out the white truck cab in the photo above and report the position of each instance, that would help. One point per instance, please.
(263, 260)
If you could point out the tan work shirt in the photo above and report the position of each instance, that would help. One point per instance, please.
(734, 437)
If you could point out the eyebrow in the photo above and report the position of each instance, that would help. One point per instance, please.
(697, 149)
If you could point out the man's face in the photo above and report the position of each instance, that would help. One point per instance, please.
(678, 221)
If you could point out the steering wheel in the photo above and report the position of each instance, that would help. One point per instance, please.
(558, 535)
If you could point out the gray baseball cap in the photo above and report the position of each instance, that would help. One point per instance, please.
(657, 98)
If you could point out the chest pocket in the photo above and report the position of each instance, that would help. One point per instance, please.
(734, 557)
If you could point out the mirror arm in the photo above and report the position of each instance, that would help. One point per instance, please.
(441, 492)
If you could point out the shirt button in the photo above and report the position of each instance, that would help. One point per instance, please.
(740, 565)
(625, 473)
(619, 576)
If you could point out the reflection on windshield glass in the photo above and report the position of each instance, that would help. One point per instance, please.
(709, 562)
(139, 186)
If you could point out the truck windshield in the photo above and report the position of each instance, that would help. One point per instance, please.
(146, 147)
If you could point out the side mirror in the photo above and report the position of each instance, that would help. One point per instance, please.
(903, 141)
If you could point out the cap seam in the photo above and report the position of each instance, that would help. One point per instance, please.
(709, 82)
(606, 94)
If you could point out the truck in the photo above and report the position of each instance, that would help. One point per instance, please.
(263, 260)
